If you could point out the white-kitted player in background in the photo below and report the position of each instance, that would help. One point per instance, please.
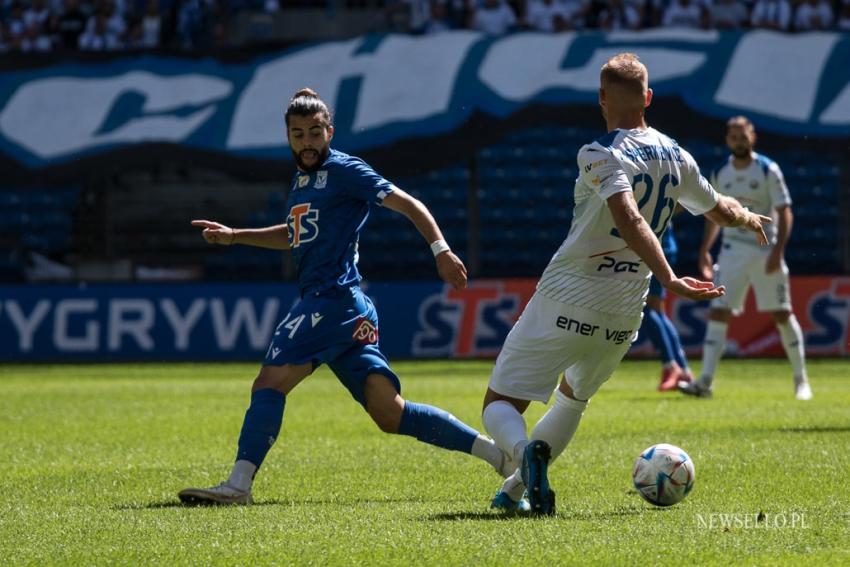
(587, 307)
(758, 183)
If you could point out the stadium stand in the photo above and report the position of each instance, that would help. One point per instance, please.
(34, 220)
(39, 26)
(524, 209)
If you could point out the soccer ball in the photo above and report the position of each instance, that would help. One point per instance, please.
(663, 474)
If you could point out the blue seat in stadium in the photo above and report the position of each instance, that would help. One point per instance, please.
(10, 201)
(14, 220)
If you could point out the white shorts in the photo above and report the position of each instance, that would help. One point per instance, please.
(551, 338)
(739, 267)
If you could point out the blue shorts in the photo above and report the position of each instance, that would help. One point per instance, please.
(655, 287)
(338, 328)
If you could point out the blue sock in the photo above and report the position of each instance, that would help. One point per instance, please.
(261, 425)
(437, 427)
(675, 343)
(653, 326)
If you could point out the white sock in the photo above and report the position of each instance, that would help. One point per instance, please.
(792, 342)
(712, 349)
(506, 426)
(514, 486)
(242, 475)
(559, 423)
(485, 448)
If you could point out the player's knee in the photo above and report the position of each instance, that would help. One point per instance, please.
(386, 421)
(262, 382)
(281, 378)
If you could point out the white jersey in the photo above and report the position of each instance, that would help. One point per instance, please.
(760, 187)
(594, 268)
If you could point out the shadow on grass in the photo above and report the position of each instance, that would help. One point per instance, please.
(566, 515)
(816, 429)
(270, 502)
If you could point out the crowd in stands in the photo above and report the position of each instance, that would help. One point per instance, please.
(108, 25)
(497, 17)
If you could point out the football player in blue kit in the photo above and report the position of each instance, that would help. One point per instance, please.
(334, 323)
(660, 330)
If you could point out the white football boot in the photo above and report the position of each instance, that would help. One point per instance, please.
(802, 390)
(221, 494)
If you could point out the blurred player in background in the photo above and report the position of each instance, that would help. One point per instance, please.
(587, 307)
(660, 329)
(334, 323)
(758, 183)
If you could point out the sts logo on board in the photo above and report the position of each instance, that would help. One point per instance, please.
(471, 322)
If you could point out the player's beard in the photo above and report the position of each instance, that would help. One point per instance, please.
(322, 156)
(741, 152)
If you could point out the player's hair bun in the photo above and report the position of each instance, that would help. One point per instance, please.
(306, 92)
(306, 102)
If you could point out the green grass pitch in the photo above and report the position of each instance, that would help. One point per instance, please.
(93, 457)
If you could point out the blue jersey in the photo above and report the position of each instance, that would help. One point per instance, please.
(327, 209)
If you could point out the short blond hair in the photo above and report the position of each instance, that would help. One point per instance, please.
(627, 74)
(741, 122)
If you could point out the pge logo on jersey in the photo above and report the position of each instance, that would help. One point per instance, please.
(303, 224)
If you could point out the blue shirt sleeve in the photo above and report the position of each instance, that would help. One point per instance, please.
(360, 181)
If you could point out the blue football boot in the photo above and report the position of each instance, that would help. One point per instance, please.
(502, 502)
(535, 462)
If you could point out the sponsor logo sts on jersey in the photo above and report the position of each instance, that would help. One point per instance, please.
(302, 224)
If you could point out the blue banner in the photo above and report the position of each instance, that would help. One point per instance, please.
(172, 321)
(202, 321)
(387, 88)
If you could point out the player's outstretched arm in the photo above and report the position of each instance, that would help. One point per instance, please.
(449, 266)
(274, 237)
(639, 237)
(729, 212)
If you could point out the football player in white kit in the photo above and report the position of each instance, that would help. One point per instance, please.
(756, 182)
(587, 307)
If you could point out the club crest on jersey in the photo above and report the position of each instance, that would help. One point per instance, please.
(321, 180)
(303, 180)
(302, 224)
(365, 332)
(754, 184)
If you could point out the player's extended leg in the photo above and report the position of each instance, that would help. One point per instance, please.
(260, 429)
(653, 327)
(549, 439)
(663, 336)
(792, 341)
(676, 342)
(429, 424)
(503, 421)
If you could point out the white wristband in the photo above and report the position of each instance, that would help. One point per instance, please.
(439, 246)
